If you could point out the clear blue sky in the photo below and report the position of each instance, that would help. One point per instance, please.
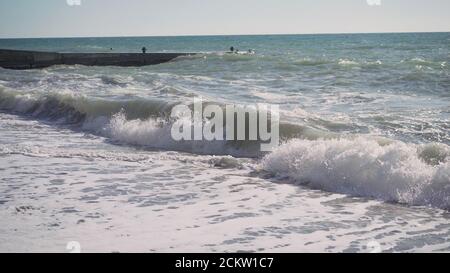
(56, 18)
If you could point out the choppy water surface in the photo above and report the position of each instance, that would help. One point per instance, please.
(365, 124)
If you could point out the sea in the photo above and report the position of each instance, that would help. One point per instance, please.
(87, 158)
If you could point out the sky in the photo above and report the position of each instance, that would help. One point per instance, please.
(107, 18)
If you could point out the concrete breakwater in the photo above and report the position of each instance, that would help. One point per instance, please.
(18, 59)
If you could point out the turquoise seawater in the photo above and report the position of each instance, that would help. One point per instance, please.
(392, 84)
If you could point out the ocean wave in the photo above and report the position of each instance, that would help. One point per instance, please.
(421, 63)
(140, 122)
(352, 164)
(390, 171)
(144, 117)
(156, 134)
(70, 108)
(242, 56)
(345, 62)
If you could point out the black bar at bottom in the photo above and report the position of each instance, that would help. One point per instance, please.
(174, 263)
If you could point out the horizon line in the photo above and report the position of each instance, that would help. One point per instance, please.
(210, 35)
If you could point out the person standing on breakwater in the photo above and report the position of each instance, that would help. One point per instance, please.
(144, 49)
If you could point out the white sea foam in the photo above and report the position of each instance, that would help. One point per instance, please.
(395, 171)
(346, 62)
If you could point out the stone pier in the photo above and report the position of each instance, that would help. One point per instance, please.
(18, 59)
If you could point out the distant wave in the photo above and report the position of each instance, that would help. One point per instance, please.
(311, 62)
(347, 62)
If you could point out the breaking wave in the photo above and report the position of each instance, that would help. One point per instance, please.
(140, 122)
(390, 171)
(357, 165)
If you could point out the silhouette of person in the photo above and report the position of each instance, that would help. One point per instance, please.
(144, 50)
(232, 49)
